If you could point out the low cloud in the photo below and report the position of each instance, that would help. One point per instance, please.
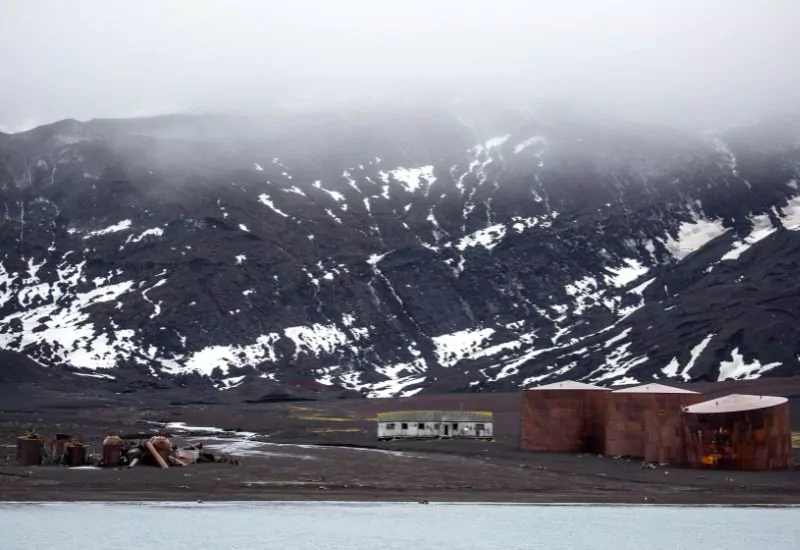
(670, 61)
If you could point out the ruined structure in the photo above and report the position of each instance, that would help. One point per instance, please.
(743, 432)
(563, 417)
(646, 422)
(435, 424)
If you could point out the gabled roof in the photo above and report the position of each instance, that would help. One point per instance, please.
(654, 388)
(568, 385)
(735, 403)
(434, 416)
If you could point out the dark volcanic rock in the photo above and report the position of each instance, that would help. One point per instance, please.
(391, 250)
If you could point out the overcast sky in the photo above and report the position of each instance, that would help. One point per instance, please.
(672, 61)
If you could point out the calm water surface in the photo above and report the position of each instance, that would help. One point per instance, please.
(347, 526)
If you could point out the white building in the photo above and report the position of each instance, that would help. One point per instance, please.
(435, 424)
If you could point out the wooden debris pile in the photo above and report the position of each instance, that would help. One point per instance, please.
(159, 450)
(127, 450)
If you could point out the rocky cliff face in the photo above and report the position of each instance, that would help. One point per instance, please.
(394, 250)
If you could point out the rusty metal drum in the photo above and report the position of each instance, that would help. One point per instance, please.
(29, 451)
(75, 454)
(112, 451)
(162, 446)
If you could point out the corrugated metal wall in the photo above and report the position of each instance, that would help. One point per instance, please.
(563, 420)
(647, 425)
(750, 440)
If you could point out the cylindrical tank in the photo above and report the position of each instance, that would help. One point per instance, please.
(75, 454)
(646, 422)
(29, 451)
(563, 417)
(162, 446)
(112, 451)
(742, 432)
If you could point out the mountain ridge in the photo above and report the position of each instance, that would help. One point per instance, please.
(392, 253)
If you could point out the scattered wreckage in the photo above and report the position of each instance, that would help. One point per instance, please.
(117, 451)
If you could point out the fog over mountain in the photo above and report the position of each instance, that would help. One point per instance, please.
(678, 62)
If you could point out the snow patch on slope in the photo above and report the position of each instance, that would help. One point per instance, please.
(695, 354)
(491, 143)
(451, 348)
(399, 377)
(264, 199)
(488, 237)
(692, 236)
(671, 370)
(762, 228)
(335, 195)
(535, 140)
(225, 357)
(616, 365)
(153, 232)
(738, 369)
(117, 227)
(621, 276)
(411, 178)
(64, 326)
(641, 288)
(316, 339)
(791, 212)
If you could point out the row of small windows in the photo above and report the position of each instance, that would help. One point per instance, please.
(421, 426)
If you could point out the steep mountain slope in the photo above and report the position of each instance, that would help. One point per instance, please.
(394, 249)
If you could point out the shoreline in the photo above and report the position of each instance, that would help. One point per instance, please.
(535, 504)
(43, 495)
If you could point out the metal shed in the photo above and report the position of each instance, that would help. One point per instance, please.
(563, 417)
(433, 424)
(743, 432)
(646, 422)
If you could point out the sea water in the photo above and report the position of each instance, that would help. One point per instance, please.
(390, 526)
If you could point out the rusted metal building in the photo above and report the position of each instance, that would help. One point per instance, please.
(435, 424)
(563, 417)
(742, 432)
(646, 422)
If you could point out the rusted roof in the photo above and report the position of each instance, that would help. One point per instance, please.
(735, 403)
(654, 388)
(568, 385)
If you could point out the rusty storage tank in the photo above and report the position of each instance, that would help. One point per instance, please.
(563, 417)
(112, 451)
(646, 422)
(162, 445)
(29, 450)
(743, 432)
(75, 454)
